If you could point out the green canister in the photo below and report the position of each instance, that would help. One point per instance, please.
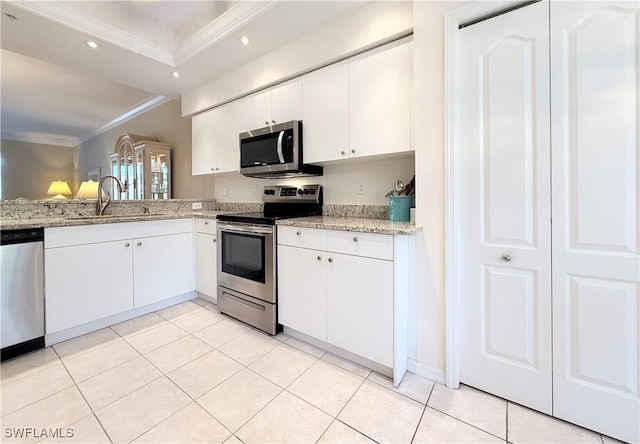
(400, 208)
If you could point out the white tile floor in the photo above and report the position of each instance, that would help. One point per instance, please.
(188, 374)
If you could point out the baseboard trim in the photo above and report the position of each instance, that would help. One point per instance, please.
(63, 335)
(435, 374)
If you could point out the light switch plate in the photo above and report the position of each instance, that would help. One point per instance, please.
(196, 206)
(224, 191)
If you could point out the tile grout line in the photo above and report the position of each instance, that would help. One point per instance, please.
(469, 424)
(86, 401)
(395, 390)
(415, 432)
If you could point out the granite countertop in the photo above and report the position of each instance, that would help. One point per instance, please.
(45, 222)
(361, 225)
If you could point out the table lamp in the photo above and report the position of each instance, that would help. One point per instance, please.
(58, 189)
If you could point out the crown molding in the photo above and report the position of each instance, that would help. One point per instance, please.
(141, 108)
(224, 25)
(39, 138)
(73, 19)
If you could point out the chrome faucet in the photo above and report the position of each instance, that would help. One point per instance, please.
(100, 206)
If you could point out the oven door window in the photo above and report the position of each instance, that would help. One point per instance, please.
(243, 255)
(263, 150)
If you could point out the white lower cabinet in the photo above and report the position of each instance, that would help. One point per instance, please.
(96, 271)
(163, 267)
(206, 257)
(360, 306)
(348, 290)
(302, 290)
(84, 283)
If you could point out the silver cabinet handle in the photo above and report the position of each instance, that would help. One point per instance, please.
(298, 233)
(266, 122)
(330, 260)
(506, 258)
(206, 222)
(273, 121)
(217, 168)
(139, 244)
(353, 151)
(127, 244)
(343, 153)
(215, 240)
(319, 258)
(213, 169)
(355, 238)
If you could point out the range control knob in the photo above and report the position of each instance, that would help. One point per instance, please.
(266, 192)
(272, 192)
(300, 191)
(312, 191)
(306, 191)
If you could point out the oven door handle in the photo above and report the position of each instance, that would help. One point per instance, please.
(260, 231)
(279, 147)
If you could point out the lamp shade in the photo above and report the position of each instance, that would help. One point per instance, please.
(88, 190)
(58, 189)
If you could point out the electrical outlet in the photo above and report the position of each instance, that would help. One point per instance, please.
(361, 187)
(196, 206)
(224, 191)
(254, 190)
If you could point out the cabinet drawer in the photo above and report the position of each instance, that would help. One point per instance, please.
(378, 246)
(207, 226)
(302, 237)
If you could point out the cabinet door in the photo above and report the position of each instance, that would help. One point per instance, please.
(163, 267)
(286, 102)
(253, 112)
(226, 142)
(202, 144)
(325, 106)
(206, 264)
(88, 282)
(302, 296)
(595, 100)
(380, 100)
(360, 306)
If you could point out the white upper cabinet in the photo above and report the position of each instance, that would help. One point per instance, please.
(202, 141)
(279, 104)
(286, 102)
(380, 100)
(325, 108)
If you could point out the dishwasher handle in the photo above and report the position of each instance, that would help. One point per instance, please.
(11, 237)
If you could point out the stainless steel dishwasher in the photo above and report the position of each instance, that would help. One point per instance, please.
(22, 264)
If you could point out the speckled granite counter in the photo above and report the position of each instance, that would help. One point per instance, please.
(45, 222)
(361, 225)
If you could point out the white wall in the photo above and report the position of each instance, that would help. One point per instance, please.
(363, 29)
(339, 181)
(29, 168)
(429, 122)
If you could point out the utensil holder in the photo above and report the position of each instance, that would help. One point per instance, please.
(400, 208)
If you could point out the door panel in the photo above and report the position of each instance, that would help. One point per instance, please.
(508, 323)
(507, 141)
(596, 266)
(505, 207)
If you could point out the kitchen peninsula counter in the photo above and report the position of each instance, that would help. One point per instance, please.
(355, 224)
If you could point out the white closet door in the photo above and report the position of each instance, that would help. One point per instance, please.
(505, 207)
(596, 266)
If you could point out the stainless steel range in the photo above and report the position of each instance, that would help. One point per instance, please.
(247, 271)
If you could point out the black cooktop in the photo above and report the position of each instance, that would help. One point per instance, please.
(282, 202)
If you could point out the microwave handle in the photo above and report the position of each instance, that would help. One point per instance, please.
(279, 147)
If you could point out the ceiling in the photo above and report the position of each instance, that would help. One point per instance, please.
(56, 90)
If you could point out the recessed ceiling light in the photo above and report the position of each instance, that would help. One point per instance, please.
(91, 44)
(245, 40)
(175, 74)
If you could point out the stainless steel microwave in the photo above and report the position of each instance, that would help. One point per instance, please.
(275, 151)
